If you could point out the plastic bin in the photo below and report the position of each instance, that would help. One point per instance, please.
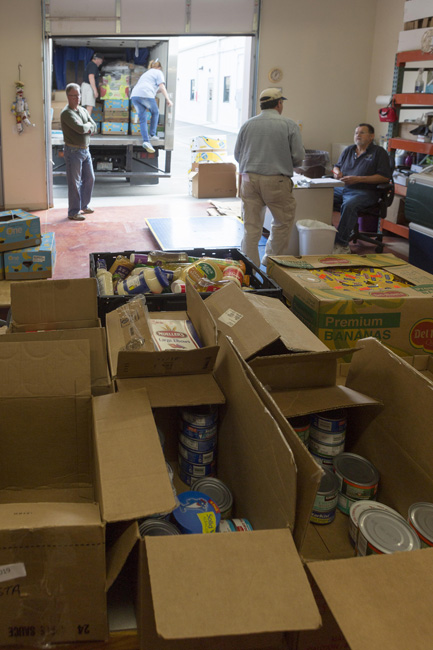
(421, 247)
(315, 237)
(166, 301)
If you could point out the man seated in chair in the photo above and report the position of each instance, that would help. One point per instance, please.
(362, 166)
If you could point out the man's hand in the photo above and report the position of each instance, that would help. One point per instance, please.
(351, 180)
(95, 92)
(337, 173)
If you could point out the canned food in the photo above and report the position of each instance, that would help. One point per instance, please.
(196, 470)
(234, 526)
(421, 519)
(301, 426)
(357, 508)
(156, 527)
(200, 433)
(196, 513)
(325, 503)
(198, 458)
(326, 437)
(324, 450)
(201, 416)
(218, 492)
(331, 421)
(384, 532)
(324, 461)
(358, 479)
(198, 445)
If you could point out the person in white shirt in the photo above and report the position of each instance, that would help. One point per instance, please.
(143, 97)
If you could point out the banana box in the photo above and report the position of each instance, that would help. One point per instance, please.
(2, 268)
(115, 85)
(134, 128)
(344, 298)
(19, 229)
(32, 263)
(208, 157)
(114, 128)
(98, 112)
(116, 104)
(209, 142)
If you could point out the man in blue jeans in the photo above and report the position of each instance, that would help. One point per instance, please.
(77, 126)
(362, 166)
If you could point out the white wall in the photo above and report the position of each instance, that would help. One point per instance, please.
(23, 156)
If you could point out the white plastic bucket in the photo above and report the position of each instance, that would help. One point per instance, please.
(315, 237)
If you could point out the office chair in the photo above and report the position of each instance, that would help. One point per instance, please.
(368, 226)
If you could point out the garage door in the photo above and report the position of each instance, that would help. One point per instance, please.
(151, 17)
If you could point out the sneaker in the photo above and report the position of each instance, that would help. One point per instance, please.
(87, 211)
(77, 217)
(148, 147)
(340, 249)
(155, 138)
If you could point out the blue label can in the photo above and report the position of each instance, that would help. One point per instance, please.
(198, 445)
(196, 513)
(196, 470)
(198, 458)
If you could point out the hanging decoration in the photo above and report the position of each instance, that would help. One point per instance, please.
(20, 107)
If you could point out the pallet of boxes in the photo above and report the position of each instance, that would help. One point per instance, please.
(25, 253)
(211, 175)
(114, 92)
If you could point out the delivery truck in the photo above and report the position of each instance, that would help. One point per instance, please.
(116, 149)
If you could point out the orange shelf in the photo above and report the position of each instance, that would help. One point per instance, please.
(396, 228)
(414, 99)
(413, 55)
(410, 145)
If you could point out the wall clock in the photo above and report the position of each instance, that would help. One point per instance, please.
(275, 75)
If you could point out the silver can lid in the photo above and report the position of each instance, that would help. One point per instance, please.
(358, 507)
(421, 518)
(329, 483)
(388, 533)
(216, 490)
(356, 468)
(157, 527)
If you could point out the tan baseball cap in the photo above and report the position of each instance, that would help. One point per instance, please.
(271, 93)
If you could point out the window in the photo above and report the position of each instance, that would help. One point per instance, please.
(192, 90)
(226, 93)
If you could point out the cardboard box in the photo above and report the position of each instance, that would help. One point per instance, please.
(67, 472)
(207, 156)
(116, 116)
(259, 325)
(35, 262)
(238, 610)
(61, 310)
(116, 104)
(59, 96)
(134, 128)
(57, 108)
(19, 229)
(147, 362)
(209, 143)
(214, 180)
(115, 84)
(340, 316)
(406, 477)
(2, 267)
(114, 128)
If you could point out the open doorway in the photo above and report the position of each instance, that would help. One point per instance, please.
(210, 80)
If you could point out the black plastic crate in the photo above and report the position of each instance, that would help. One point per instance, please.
(259, 281)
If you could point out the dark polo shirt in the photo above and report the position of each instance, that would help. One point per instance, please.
(373, 161)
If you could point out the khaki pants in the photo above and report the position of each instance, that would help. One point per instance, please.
(275, 192)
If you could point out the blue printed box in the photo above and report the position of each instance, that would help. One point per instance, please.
(116, 104)
(19, 229)
(32, 263)
(114, 128)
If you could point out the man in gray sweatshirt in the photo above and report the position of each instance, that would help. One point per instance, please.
(267, 149)
(77, 126)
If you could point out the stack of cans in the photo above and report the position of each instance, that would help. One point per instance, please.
(301, 426)
(197, 443)
(327, 436)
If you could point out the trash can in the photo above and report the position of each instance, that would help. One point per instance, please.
(316, 164)
(315, 237)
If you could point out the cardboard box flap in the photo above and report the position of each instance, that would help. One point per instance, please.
(294, 334)
(324, 261)
(45, 369)
(48, 515)
(166, 362)
(197, 312)
(392, 595)
(133, 476)
(189, 390)
(313, 400)
(299, 370)
(404, 459)
(255, 583)
(54, 301)
(239, 319)
(118, 553)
